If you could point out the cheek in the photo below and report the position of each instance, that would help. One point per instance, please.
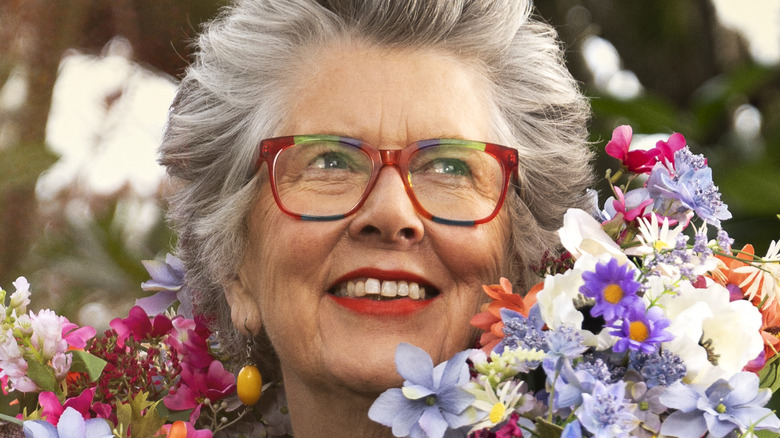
(474, 253)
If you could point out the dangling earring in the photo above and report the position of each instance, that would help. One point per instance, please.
(249, 383)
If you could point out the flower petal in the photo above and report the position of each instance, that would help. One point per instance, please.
(39, 429)
(414, 365)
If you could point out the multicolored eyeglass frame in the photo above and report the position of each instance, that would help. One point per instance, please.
(271, 148)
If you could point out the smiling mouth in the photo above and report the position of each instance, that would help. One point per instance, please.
(379, 290)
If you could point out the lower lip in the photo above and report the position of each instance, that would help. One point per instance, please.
(369, 307)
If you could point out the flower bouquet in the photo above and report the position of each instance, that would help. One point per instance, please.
(646, 326)
(151, 374)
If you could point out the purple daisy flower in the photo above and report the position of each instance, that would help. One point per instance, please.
(613, 287)
(640, 330)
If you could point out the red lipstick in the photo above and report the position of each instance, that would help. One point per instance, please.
(369, 307)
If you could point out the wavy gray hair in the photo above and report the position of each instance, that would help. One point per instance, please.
(233, 94)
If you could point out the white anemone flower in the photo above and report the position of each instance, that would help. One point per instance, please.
(582, 234)
(729, 329)
(499, 404)
(764, 278)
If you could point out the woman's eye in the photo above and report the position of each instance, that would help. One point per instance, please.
(330, 160)
(450, 166)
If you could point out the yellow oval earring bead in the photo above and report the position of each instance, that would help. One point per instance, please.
(249, 385)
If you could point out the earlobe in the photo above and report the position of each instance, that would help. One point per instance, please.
(244, 311)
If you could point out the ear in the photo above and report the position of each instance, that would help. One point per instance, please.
(244, 306)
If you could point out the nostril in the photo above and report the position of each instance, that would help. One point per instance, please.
(370, 230)
(407, 233)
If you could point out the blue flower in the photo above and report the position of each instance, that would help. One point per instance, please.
(70, 425)
(641, 330)
(688, 186)
(722, 408)
(168, 281)
(563, 343)
(522, 332)
(431, 400)
(659, 368)
(606, 413)
(613, 287)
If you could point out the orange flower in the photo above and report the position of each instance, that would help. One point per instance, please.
(726, 273)
(489, 319)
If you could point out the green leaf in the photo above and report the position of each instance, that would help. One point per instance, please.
(90, 364)
(768, 376)
(42, 375)
(140, 417)
(546, 429)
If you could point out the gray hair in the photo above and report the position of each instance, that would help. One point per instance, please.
(233, 94)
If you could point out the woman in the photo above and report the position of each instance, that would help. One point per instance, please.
(328, 253)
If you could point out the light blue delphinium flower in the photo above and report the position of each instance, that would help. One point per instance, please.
(613, 287)
(606, 413)
(70, 425)
(722, 408)
(431, 400)
(562, 343)
(520, 331)
(658, 369)
(688, 186)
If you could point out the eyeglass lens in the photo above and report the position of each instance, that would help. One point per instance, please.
(327, 178)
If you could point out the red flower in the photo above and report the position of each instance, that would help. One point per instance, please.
(489, 319)
(666, 149)
(197, 386)
(140, 326)
(637, 161)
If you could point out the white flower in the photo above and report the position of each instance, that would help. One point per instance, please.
(582, 234)
(498, 405)
(729, 328)
(47, 334)
(764, 278)
(61, 363)
(653, 238)
(21, 298)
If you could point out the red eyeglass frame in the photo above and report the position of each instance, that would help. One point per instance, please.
(270, 148)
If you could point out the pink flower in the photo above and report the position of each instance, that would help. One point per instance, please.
(52, 409)
(632, 204)
(76, 336)
(191, 341)
(637, 161)
(196, 386)
(47, 334)
(666, 149)
(140, 326)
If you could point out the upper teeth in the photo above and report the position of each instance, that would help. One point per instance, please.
(377, 289)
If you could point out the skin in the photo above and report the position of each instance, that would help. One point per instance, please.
(334, 361)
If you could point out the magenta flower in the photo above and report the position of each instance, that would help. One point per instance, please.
(631, 205)
(74, 335)
(666, 149)
(637, 161)
(140, 326)
(196, 386)
(53, 409)
(191, 341)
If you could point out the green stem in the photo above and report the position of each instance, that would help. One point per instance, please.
(9, 419)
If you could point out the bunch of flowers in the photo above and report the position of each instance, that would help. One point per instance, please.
(151, 374)
(646, 327)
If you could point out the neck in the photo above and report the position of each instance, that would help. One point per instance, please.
(324, 412)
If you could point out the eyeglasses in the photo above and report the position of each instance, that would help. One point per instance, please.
(326, 177)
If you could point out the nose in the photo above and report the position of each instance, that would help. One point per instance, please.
(388, 215)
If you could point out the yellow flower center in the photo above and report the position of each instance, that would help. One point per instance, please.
(638, 331)
(659, 245)
(497, 413)
(613, 294)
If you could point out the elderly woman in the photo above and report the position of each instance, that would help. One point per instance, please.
(350, 172)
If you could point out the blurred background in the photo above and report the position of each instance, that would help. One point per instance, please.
(85, 86)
